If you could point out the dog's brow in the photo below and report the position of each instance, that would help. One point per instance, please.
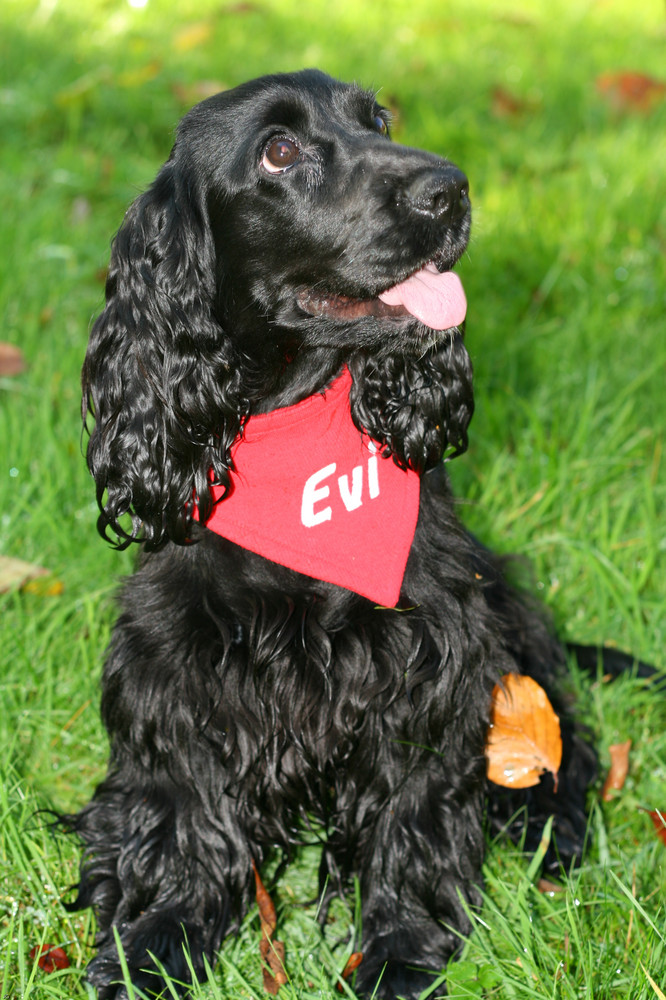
(366, 102)
(283, 111)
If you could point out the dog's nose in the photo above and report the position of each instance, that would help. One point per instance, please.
(442, 193)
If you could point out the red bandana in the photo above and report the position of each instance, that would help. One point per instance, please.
(312, 493)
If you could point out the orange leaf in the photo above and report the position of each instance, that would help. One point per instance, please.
(271, 951)
(618, 771)
(267, 913)
(524, 734)
(549, 888)
(12, 361)
(507, 105)
(274, 975)
(352, 965)
(50, 958)
(631, 91)
(658, 817)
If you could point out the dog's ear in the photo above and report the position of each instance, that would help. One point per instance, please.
(418, 408)
(161, 378)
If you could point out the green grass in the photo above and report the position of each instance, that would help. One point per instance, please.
(566, 280)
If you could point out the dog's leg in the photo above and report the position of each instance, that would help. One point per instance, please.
(168, 857)
(419, 870)
(160, 875)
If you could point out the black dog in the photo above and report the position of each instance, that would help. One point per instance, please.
(325, 650)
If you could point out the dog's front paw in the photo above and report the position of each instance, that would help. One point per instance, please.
(153, 944)
(145, 983)
(113, 991)
(395, 980)
(109, 983)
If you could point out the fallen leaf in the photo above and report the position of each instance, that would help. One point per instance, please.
(628, 91)
(549, 888)
(516, 19)
(51, 958)
(192, 36)
(272, 955)
(137, 77)
(271, 951)
(192, 93)
(267, 914)
(507, 105)
(242, 7)
(618, 771)
(12, 361)
(658, 817)
(658, 992)
(524, 734)
(351, 966)
(48, 586)
(15, 573)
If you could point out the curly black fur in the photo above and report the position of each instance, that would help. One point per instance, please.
(242, 699)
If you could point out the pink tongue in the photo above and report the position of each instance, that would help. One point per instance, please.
(438, 300)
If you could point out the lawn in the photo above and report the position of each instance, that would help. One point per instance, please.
(566, 282)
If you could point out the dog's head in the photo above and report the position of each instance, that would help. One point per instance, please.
(315, 213)
(285, 236)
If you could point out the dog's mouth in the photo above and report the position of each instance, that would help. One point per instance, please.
(435, 298)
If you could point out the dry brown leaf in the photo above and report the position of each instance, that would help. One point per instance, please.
(618, 771)
(508, 105)
(272, 957)
(134, 78)
(271, 951)
(12, 361)
(242, 7)
(549, 888)
(628, 91)
(15, 573)
(659, 993)
(192, 36)
(524, 735)
(658, 817)
(192, 93)
(267, 913)
(50, 958)
(351, 966)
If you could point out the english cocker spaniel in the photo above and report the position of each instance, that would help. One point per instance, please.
(311, 638)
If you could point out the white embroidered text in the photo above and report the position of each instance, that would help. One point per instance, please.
(316, 491)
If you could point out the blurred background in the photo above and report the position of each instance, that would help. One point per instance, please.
(557, 113)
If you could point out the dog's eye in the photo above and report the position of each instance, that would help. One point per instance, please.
(280, 154)
(381, 125)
